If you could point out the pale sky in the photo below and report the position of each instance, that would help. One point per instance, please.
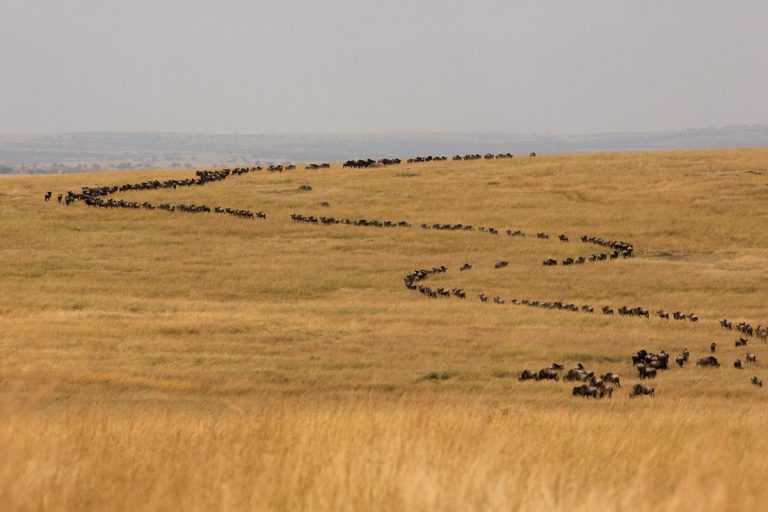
(352, 66)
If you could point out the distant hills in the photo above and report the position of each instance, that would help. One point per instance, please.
(74, 152)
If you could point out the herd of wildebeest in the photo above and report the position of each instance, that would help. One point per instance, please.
(647, 364)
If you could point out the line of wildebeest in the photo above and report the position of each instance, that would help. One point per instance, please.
(369, 162)
(98, 196)
(647, 364)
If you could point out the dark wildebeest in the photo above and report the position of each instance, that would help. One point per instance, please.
(646, 372)
(741, 342)
(483, 297)
(642, 389)
(501, 264)
(663, 314)
(465, 266)
(713, 347)
(547, 374)
(757, 382)
(612, 378)
(751, 358)
(708, 361)
(586, 390)
(527, 375)
(48, 196)
(737, 364)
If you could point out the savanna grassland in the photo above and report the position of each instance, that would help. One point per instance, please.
(170, 361)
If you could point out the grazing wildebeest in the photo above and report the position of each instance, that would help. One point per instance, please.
(663, 314)
(578, 374)
(737, 364)
(501, 264)
(547, 374)
(586, 390)
(612, 378)
(465, 266)
(483, 297)
(607, 310)
(727, 324)
(757, 382)
(741, 342)
(527, 375)
(646, 372)
(532, 154)
(557, 366)
(642, 389)
(751, 358)
(708, 361)
(639, 356)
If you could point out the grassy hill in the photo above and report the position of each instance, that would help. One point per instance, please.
(166, 360)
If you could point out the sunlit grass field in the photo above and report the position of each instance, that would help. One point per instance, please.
(172, 361)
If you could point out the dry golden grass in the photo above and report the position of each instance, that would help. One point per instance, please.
(171, 361)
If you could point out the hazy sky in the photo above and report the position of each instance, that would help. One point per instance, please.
(345, 66)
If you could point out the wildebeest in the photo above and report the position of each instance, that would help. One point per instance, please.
(547, 374)
(751, 358)
(713, 347)
(483, 297)
(501, 264)
(708, 361)
(757, 382)
(642, 389)
(663, 314)
(612, 378)
(586, 390)
(737, 364)
(465, 266)
(741, 342)
(762, 332)
(646, 372)
(527, 375)
(47, 196)
(579, 374)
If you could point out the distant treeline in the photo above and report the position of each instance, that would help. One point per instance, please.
(96, 151)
